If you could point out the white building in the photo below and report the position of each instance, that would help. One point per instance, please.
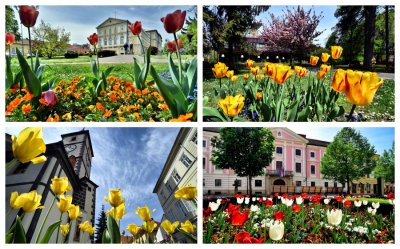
(70, 157)
(114, 34)
(179, 170)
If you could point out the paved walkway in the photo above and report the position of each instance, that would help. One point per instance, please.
(129, 59)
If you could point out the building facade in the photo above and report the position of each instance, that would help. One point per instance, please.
(296, 165)
(179, 170)
(114, 34)
(70, 157)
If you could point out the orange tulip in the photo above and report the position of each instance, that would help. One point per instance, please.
(249, 63)
(321, 74)
(325, 68)
(339, 81)
(279, 72)
(336, 52)
(246, 76)
(361, 87)
(10, 39)
(182, 118)
(255, 70)
(314, 60)
(325, 57)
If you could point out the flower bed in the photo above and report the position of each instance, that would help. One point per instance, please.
(298, 219)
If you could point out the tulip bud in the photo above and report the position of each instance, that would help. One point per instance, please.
(173, 22)
(28, 15)
(136, 28)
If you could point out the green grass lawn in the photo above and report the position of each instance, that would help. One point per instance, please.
(381, 109)
(183, 56)
(382, 201)
(58, 60)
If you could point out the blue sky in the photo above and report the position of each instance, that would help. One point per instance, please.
(381, 137)
(81, 21)
(326, 24)
(127, 158)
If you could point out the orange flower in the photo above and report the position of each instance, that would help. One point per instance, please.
(113, 97)
(339, 81)
(138, 92)
(249, 63)
(43, 102)
(100, 107)
(13, 104)
(314, 60)
(336, 52)
(107, 114)
(28, 96)
(321, 74)
(116, 87)
(133, 108)
(121, 119)
(325, 68)
(246, 76)
(51, 119)
(259, 95)
(163, 106)
(182, 118)
(137, 116)
(103, 92)
(26, 108)
(255, 70)
(145, 91)
(301, 71)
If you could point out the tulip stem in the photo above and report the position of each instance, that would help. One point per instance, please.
(179, 58)
(30, 47)
(12, 163)
(97, 58)
(58, 229)
(45, 218)
(141, 44)
(351, 112)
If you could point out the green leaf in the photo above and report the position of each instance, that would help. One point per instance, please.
(49, 232)
(113, 229)
(39, 71)
(209, 112)
(105, 239)
(98, 87)
(222, 94)
(95, 70)
(9, 74)
(19, 232)
(32, 82)
(9, 237)
(173, 96)
(18, 77)
(192, 108)
(108, 71)
(189, 236)
(103, 77)
(37, 63)
(136, 72)
(303, 115)
(145, 69)
(266, 112)
(292, 112)
(192, 76)
(173, 71)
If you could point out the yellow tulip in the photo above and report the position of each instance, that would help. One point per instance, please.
(220, 70)
(187, 193)
(280, 73)
(249, 63)
(301, 71)
(314, 60)
(29, 202)
(246, 76)
(60, 185)
(361, 87)
(336, 52)
(260, 76)
(65, 203)
(321, 74)
(87, 227)
(339, 81)
(114, 197)
(67, 116)
(325, 68)
(231, 106)
(259, 96)
(133, 229)
(29, 145)
(255, 70)
(325, 57)
(229, 74)
(149, 226)
(234, 78)
(144, 213)
(188, 227)
(168, 227)
(74, 212)
(119, 212)
(64, 229)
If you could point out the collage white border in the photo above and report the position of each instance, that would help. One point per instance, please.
(200, 125)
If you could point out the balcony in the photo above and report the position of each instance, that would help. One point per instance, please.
(275, 173)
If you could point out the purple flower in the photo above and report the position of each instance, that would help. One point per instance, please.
(50, 97)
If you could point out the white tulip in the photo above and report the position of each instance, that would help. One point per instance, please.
(214, 206)
(240, 200)
(334, 216)
(357, 203)
(289, 202)
(270, 199)
(219, 201)
(326, 201)
(371, 210)
(277, 230)
(253, 208)
(246, 200)
(253, 199)
(375, 205)
(264, 198)
(365, 202)
(299, 200)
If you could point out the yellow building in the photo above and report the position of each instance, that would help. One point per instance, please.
(22, 46)
(364, 186)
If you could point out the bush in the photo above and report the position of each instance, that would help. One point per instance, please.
(106, 53)
(71, 54)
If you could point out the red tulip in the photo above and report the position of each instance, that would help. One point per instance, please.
(304, 195)
(390, 196)
(286, 196)
(279, 215)
(28, 15)
(238, 219)
(296, 208)
(338, 198)
(347, 203)
(93, 39)
(276, 194)
(239, 196)
(173, 22)
(10, 39)
(50, 98)
(136, 28)
(244, 238)
(232, 208)
(268, 203)
(206, 212)
(260, 200)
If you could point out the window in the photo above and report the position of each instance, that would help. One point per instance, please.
(312, 154)
(258, 183)
(186, 160)
(163, 194)
(204, 143)
(115, 40)
(312, 184)
(298, 167)
(110, 41)
(90, 189)
(181, 208)
(279, 165)
(100, 41)
(326, 184)
(204, 182)
(105, 41)
(218, 182)
(312, 169)
(169, 188)
(194, 138)
(335, 184)
(279, 134)
(298, 152)
(204, 163)
(72, 139)
(121, 39)
(353, 188)
(279, 150)
(176, 176)
(171, 215)
(298, 183)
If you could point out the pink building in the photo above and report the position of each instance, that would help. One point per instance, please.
(295, 167)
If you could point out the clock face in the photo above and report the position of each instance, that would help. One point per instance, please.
(71, 147)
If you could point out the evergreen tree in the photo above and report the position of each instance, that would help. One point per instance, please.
(101, 225)
(348, 157)
(248, 151)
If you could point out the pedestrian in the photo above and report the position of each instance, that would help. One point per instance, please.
(131, 48)
(126, 48)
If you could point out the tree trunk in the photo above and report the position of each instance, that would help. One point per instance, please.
(250, 187)
(387, 36)
(348, 185)
(351, 45)
(369, 32)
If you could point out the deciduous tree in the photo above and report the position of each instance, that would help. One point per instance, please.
(248, 151)
(49, 40)
(385, 165)
(12, 23)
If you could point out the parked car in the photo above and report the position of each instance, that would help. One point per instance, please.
(71, 54)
